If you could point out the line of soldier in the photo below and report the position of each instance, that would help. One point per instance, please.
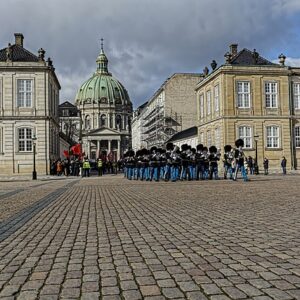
(171, 164)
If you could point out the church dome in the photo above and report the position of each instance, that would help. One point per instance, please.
(102, 87)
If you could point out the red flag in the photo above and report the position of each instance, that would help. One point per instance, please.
(76, 149)
(66, 153)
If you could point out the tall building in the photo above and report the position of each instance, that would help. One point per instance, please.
(254, 99)
(29, 97)
(106, 113)
(171, 109)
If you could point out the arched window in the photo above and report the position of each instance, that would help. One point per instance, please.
(102, 122)
(87, 123)
(118, 122)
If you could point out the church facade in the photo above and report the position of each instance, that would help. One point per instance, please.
(106, 113)
(29, 97)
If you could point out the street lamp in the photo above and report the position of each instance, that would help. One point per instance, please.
(34, 175)
(256, 158)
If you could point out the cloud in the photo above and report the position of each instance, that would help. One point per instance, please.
(146, 41)
(292, 61)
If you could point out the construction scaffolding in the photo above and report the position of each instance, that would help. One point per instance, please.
(158, 127)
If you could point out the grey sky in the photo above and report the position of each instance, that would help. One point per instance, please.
(146, 41)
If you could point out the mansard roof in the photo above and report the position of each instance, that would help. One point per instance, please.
(245, 58)
(19, 54)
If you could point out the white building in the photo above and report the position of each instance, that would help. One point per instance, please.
(29, 97)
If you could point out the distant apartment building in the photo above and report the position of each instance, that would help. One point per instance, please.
(171, 109)
(254, 99)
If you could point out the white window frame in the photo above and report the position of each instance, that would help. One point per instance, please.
(272, 139)
(245, 133)
(24, 92)
(217, 97)
(271, 95)
(297, 136)
(26, 138)
(208, 137)
(202, 137)
(296, 89)
(243, 94)
(208, 102)
(201, 106)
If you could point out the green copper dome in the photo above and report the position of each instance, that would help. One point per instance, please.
(102, 87)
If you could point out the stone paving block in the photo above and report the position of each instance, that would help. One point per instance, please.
(172, 293)
(234, 293)
(277, 294)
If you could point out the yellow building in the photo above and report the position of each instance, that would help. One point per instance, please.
(254, 99)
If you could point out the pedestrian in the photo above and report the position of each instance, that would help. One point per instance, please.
(100, 165)
(59, 168)
(86, 168)
(266, 166)
(283, 165)
(250, 165)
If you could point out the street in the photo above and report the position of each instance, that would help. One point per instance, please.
(110, 238)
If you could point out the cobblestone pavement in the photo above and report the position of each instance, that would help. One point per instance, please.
(109, 238)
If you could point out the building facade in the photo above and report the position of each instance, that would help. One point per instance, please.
(29, 97)
(251, 98)
(106, 113)
(69, 121)
(171, 109)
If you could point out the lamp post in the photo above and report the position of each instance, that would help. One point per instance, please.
(34, 175)
(256, 158)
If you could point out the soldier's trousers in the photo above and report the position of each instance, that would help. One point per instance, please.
(174, 173)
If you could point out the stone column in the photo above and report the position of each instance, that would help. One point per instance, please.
(89, 149)
(109, 146)
(98, 148)
(119, 150)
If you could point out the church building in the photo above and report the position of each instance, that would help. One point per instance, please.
(106, 113)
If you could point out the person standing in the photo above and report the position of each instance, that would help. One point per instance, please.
(100, 165)
(283, 165)
(86, 168)
(266, 166)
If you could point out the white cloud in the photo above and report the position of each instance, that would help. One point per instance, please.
(292, 61)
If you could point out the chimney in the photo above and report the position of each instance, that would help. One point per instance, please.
(19, 39)
(233, 49)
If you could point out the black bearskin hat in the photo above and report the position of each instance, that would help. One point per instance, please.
(227, 148)
(130, 153)
(159, 150)
(205, 149)
(213, 149)
(239, 143)
(138, 153)
(184, 147)
(199, 147)
(189, 147)
(170, 146)
(153, 149)
(144, 151)
(193, 150)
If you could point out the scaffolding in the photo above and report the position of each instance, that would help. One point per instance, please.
(158, 127)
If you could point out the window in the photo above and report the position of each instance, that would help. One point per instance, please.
(297, 136)
(208, 138)
(103, 121)
(297, 95)
(243, 94)
(201, 106)
(217, 137)
(208, 102)
(119, 122)
(202, 138)
(273, 137)
(87, 124)
(25, 139)
(24, 93)
(245, 133)
(271, 94)
(217, 97)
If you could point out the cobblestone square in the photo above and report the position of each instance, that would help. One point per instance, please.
(110, 238)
